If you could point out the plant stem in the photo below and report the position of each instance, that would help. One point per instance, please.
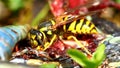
(41, 15)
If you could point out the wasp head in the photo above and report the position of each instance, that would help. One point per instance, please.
(36, 38)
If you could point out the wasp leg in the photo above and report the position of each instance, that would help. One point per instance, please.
(48, 44)
(78, 42)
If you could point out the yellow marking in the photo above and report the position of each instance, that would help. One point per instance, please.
(64, 28)
(93, 31)
(92, 26)
(44, 36)
(72, 26)
(34, 43)
(47, 45)
(88, 31)
(83, 30)
(88, 26)
(78, 42)
(88, 23)
(73, 31)
(49, 32)
(39, 48)
(53, 22)
(43, 29)
(39, 37)
(66, 18)
(79, 25)
(33, 36)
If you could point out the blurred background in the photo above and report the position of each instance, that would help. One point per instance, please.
(25, 11)
(19, 11)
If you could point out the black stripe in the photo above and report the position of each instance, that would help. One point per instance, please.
(84, 23)
(67, 26)
(77, 22)
(92, 29)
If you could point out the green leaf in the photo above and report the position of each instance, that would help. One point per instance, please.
(99, 54)
(118, 1)
(15, 5)
(49, 65)
(80, 58)
(94, 62)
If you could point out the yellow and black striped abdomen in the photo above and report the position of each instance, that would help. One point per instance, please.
(81, 26)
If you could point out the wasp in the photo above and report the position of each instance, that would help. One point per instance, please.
(65, 26)
(44, 36)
